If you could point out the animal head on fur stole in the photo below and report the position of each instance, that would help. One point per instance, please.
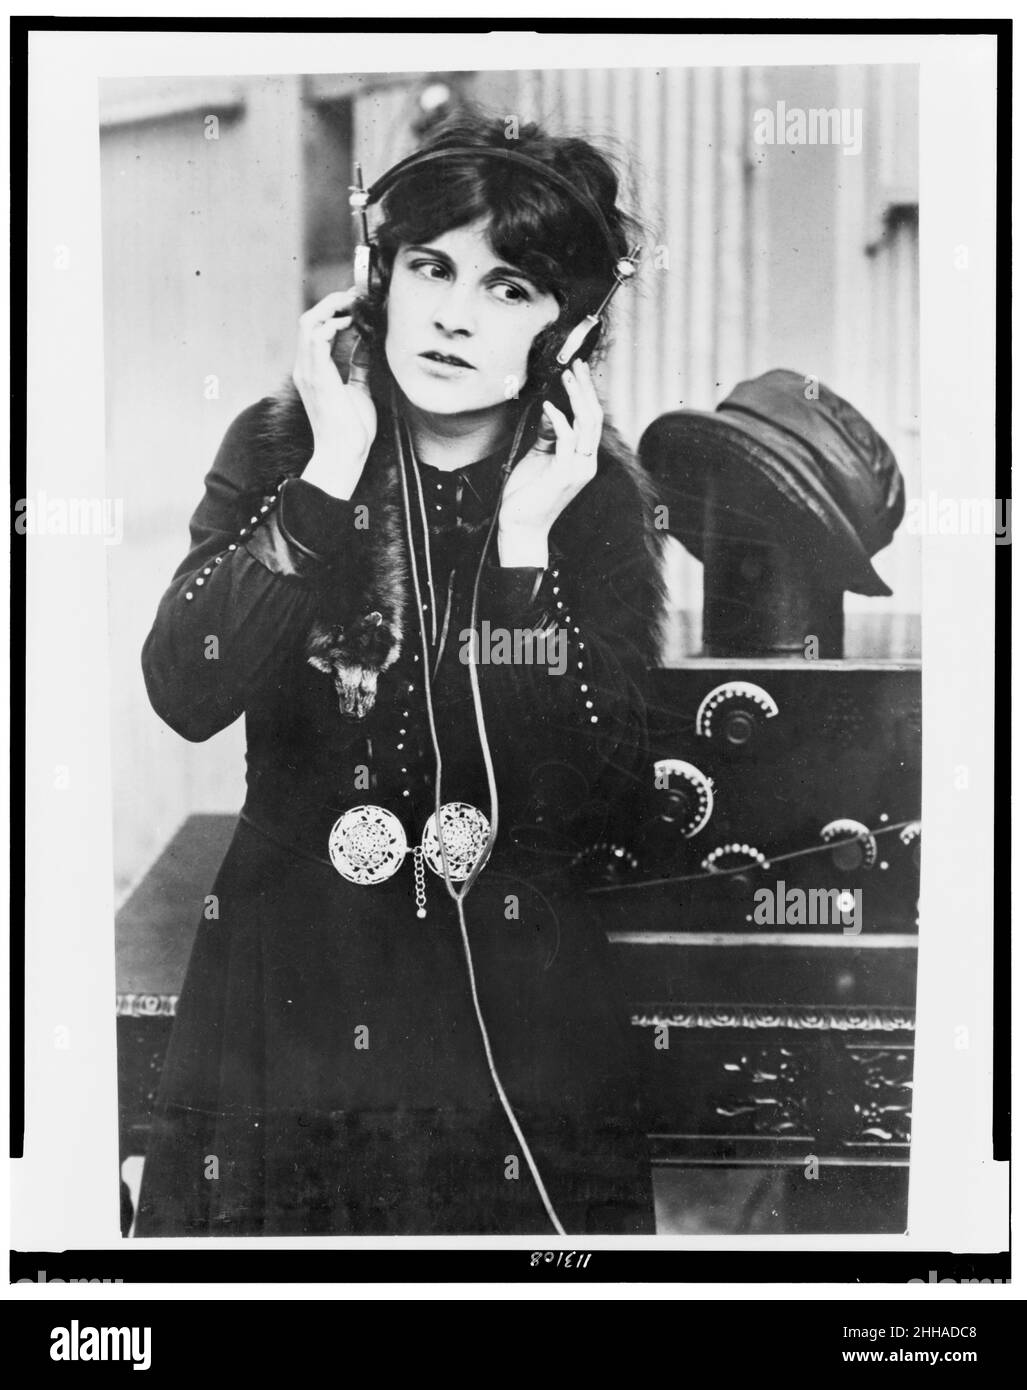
(354, 656)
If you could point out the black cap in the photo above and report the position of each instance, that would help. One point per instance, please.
(799, 447)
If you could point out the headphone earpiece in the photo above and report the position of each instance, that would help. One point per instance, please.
(367, 274)
(363, 269)
(625, 270)
(575, 339)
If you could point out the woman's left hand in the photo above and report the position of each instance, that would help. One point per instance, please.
(543, 484)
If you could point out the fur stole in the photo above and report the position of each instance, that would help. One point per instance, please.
(614, 550)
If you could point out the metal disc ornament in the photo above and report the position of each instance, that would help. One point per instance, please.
(465, 833)
(367, 844)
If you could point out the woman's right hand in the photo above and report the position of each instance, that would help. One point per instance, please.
(342, 415)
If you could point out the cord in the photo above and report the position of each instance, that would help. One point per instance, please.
(459, 896)
(820, 848)
(424, 532)
(445, 624)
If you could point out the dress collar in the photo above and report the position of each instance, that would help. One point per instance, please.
(497, 456)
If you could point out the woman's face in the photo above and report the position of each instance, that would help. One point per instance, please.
(461, 323)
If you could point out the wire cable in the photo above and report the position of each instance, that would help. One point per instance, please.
(445, 625)
(459, 896)
(424, 531)
(710, 874)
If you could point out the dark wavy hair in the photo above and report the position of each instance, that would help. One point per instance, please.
(534, 225)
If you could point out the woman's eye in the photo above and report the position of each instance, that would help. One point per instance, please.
(427, 269)
(510, 293)
(507, 291)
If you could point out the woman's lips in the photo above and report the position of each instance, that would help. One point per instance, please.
(445, 364)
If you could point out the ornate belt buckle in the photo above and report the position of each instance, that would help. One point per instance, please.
(367, 844)
(465, 833)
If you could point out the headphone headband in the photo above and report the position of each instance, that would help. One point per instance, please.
(361, 198)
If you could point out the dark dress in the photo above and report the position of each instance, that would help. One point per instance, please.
(326, 1073)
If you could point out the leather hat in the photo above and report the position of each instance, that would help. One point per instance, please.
(815, 462)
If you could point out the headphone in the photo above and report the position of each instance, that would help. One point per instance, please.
(367, 272)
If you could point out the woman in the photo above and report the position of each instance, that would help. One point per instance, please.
(354, 1051)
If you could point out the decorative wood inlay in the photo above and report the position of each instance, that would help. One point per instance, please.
(883, 1089)
(810, 940)
(769, 1092)
(815, 1020)
(147, 1005)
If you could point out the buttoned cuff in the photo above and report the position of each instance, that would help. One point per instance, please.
(513, 596)
(315, 522)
